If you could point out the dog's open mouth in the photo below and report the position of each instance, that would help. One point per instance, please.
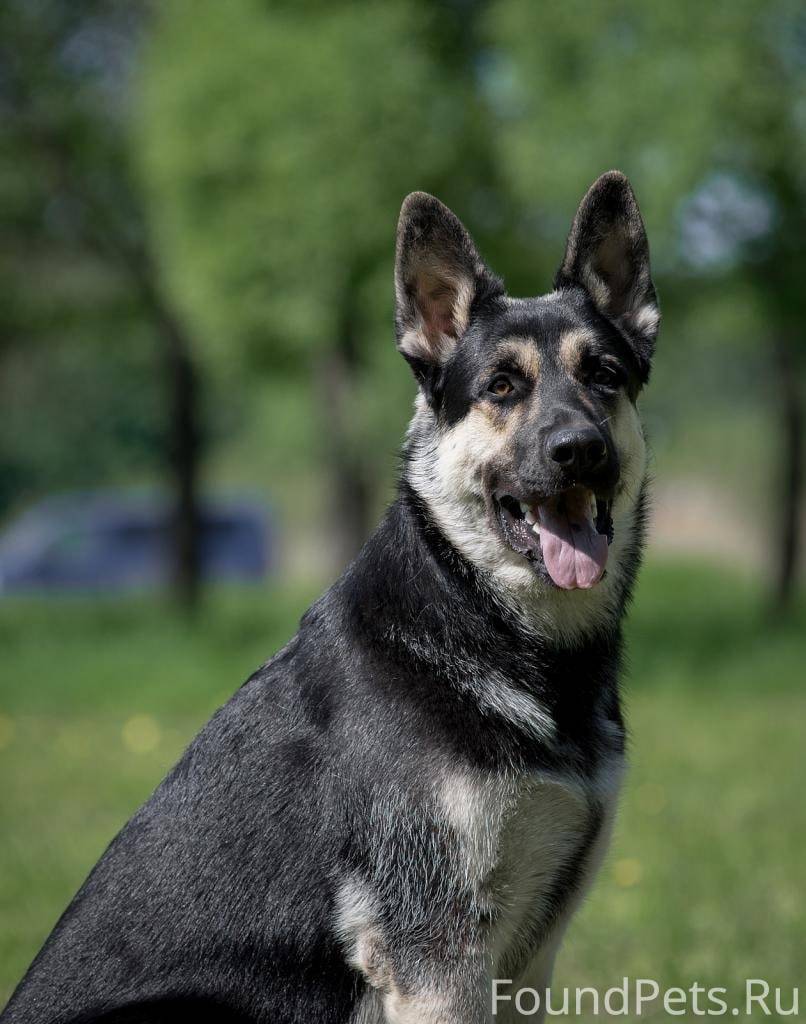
(568, 534)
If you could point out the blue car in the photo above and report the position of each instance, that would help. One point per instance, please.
(116, 541)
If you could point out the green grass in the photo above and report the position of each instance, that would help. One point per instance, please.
(705, 880)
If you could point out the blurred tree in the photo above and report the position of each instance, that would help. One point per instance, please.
(78, 263)
(278, 143)
(682, 97)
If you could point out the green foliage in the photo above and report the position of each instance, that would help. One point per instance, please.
(591, 87)
(80, 386)
(667, 92)
(276, 145)
(278, 142)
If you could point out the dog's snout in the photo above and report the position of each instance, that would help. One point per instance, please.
(578, 449)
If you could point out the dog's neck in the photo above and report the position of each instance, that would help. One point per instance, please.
(419, 605)
(421, 593)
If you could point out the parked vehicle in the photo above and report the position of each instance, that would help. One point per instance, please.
(118, 541)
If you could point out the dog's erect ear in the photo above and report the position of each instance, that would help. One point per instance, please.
(439, 276)
(608, 255)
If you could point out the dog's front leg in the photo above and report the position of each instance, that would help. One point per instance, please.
(423, 962)
(438, 1004)
(449, 998)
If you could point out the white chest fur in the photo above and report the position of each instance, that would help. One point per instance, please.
(526, 848)
(530, 847)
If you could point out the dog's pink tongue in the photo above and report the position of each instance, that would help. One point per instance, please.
(574, 553)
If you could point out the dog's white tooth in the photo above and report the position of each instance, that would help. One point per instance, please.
(530, 519)
(524, 507)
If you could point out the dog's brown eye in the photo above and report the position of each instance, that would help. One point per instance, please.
(501, 387)
(606, 377)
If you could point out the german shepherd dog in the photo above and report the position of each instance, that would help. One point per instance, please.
(410, 798)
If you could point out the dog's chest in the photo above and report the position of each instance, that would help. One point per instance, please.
(528, 846)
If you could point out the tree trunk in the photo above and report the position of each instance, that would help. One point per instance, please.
(184, 431)
(348, 510)
(349, 515)
(184, 450)
(114, 225)
(787, 523)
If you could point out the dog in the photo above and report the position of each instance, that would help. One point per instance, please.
(409, 800)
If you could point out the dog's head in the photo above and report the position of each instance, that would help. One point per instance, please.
(526, 444)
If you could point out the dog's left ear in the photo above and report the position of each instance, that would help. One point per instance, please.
(607, 253)
(439, 278)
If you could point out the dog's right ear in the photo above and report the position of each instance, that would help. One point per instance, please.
(439, 276)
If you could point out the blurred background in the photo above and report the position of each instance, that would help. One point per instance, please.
(202, 404)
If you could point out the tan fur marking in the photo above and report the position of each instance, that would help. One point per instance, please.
(496, 417)
(523, 352)
(505, 422)
(573, 345)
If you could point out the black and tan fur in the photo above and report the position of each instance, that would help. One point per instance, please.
(411, 797)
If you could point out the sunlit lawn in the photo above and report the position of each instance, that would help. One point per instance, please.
(706, 879)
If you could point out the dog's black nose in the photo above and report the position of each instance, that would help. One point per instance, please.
(578, 449)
